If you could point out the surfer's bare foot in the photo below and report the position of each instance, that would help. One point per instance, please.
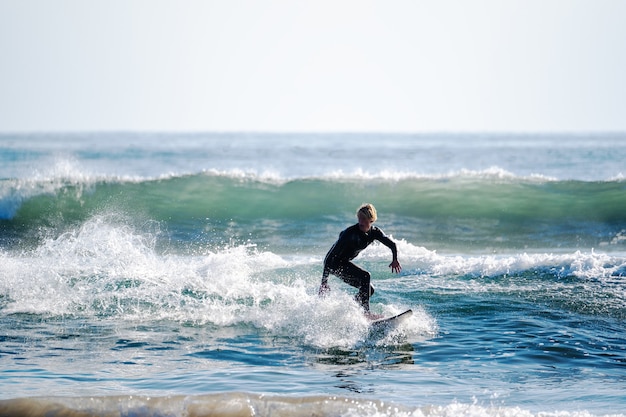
(372, 316)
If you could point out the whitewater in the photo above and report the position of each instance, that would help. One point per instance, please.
(176, 274)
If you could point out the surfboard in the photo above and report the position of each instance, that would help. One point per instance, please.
(389, 323)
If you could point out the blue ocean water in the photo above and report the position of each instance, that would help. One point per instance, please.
(177, 274)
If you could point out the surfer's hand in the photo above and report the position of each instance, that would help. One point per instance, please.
(324, 289)
(395, 266)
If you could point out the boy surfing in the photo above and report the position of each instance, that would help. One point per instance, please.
(351, 242)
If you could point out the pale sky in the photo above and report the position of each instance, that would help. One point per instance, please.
(318, 65)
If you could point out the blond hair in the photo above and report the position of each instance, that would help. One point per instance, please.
(368, 211)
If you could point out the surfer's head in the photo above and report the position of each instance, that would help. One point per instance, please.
(366, 215)
(368, 211)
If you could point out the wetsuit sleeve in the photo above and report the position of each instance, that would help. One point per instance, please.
(384, 239)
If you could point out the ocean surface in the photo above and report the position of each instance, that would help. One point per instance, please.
(177, 275)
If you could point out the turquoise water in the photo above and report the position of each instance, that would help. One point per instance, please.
(177, 274)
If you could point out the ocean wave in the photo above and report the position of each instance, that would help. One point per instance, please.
(489, 210)
(501, 191)
(68, 171)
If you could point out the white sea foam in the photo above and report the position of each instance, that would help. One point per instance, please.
(104, 267)
(240, 404)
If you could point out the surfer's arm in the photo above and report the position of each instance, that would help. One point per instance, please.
(395, 264)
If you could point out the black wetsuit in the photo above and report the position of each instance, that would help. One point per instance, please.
(350, 243)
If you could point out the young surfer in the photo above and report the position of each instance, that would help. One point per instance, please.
(350, 243)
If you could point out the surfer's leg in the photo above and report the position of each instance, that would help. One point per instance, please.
(324, 288)
(358, 278)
